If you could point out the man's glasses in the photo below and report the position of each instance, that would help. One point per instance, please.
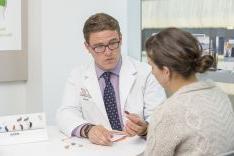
(102, 48)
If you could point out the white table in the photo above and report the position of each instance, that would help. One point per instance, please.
(56, 147)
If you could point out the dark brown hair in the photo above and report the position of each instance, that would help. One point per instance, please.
(179, 51)
(99, 22)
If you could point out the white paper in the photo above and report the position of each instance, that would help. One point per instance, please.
(117, 137)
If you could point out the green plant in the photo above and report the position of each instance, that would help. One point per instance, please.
(3, 3)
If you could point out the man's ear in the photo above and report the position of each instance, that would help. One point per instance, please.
(120, 38)
(86, 46)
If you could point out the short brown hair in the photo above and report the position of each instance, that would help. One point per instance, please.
(179, 51)
(100, 22)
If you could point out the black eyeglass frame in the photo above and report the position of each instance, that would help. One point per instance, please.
(112, 46)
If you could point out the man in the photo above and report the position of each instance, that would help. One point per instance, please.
(113, 92)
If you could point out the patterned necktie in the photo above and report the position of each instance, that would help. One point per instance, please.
(110, 103)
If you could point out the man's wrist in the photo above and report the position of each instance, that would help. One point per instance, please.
(85, 130)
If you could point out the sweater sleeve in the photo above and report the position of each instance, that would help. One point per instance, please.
(164, 135)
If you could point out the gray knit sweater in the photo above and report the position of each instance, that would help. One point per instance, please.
(197, 120)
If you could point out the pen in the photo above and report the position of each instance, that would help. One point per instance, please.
(126, 112)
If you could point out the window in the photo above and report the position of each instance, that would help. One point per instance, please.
(210, 21)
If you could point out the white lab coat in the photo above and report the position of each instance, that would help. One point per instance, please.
(83, 103)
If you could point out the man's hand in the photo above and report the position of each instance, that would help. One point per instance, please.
(99, 135)
(135, 125)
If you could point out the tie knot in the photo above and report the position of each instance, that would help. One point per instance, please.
(106, 76)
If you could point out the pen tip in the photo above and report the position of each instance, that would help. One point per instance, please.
(126, 112)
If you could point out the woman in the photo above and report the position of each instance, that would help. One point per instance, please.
(198, 118)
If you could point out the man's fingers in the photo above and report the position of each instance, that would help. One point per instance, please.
(99, 135)
(135, 118)
(104, 137)
(100, 140)
(104, 141)
(139, 129)
(129, 131)
(133, 126)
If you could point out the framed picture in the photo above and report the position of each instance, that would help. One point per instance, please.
(13, 40)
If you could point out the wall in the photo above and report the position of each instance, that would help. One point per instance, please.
(34, 83)
(134, 28)
(12, 97)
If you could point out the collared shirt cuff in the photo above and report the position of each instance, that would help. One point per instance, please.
(77, 131)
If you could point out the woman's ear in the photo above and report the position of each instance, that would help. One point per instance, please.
(166, 74)
(149, 60)
(166, 71)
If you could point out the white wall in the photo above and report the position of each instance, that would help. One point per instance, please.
(134, 28)
(34, 83)
(12, 97)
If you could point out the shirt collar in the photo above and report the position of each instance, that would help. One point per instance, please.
(114, 71)
(200, 85)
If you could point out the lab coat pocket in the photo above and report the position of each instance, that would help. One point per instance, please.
(90, 110)
(87, 104)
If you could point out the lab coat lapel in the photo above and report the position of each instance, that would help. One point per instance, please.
(127, 79)
(91, 82)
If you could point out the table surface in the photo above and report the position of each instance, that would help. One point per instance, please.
(59, 145)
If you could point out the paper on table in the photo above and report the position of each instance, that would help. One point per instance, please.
(118, 136)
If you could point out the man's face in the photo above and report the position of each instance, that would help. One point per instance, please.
(105, 48)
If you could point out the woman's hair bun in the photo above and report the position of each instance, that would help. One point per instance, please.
(204, 63)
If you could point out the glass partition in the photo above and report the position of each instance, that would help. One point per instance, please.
(210, 21)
